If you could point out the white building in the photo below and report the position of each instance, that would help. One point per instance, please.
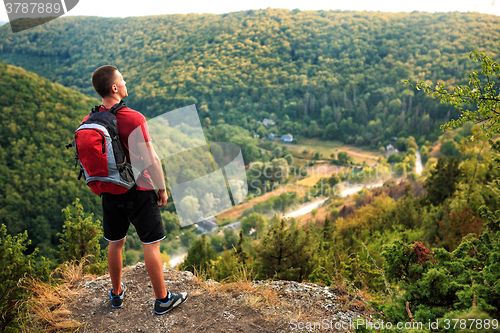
(266, 122)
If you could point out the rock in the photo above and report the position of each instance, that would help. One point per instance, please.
(210, 281)
(139, 265)
(227, 316)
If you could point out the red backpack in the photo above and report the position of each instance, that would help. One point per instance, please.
(100, 153)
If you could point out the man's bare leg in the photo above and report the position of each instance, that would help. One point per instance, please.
(154, 265)
(115, 265)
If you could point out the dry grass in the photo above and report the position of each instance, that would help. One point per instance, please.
(360, 156)
(252, 296)
(326, 148)
(310, 181)
(240, 284)
(352, 298)
(46, 309)
(71, 272)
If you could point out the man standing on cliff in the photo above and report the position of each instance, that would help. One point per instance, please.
(140, 205)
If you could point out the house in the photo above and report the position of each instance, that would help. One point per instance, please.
(390, 150)
(271, 136)
(266, 122)
(287, 137)
(256, 136)
(207, 224)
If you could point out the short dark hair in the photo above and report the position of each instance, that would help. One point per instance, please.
(103, 78)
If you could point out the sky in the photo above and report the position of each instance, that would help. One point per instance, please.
(126, 8)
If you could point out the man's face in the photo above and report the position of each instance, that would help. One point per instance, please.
(121, 85)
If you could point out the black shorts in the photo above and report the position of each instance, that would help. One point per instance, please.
(137, 207)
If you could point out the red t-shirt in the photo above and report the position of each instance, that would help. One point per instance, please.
(128, 120)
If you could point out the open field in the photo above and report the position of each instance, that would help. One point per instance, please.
(319, 171)
(310, 181)
(236, 212)
(326, 148)
(315, 172)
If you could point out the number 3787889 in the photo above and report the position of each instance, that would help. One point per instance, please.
(470, 324)
(33, 8)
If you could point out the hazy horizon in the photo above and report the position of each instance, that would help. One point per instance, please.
(127, 8)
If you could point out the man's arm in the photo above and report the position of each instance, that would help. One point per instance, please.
(156, 172)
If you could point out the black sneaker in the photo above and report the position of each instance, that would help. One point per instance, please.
(173, 301)
(117, 300)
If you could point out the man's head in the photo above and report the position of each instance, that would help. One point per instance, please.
(108, 82)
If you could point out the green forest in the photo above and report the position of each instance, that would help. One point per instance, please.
(38, 175)
(327, 74)
(419, 247)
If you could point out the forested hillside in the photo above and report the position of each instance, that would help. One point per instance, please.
(328, 74)
(421, 248)
(38, 174)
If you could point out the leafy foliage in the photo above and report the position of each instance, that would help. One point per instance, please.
(436, 282)
(480, 96)
(442, 181)
(37, 173)
(285, 253)
(256, 222)
(199, 256)
(328, 74)
(276, 204)
(15, 265)
(80, 240)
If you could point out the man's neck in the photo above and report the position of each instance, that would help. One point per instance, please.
(108, 102)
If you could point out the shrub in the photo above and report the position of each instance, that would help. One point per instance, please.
(199, 256)
(15, 265)
(437, 282)
(285, 253)
(80, 240)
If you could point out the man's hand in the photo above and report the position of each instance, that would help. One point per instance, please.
(162, 198)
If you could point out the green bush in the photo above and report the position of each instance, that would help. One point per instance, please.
(285, 253)
(80, 240)
(277, 203)
(15, 265)
(131, 257)
(199, 256)
(437, 282)
(396, 158)
(187, 238)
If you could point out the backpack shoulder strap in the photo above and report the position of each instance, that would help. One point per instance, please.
(94, 109)
(114, 109)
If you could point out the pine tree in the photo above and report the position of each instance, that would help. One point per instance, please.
(442, 181)
(327, 230)
(80, 239)
(285, 253)
(240, 251)
(199, 256)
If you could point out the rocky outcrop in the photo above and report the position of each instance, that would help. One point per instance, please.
(259, 306)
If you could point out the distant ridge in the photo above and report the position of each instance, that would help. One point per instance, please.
(2, 23)
(338, 73)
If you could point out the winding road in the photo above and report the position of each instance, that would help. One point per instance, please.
(418, 163)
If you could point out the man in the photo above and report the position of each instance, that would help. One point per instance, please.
(140, 205)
